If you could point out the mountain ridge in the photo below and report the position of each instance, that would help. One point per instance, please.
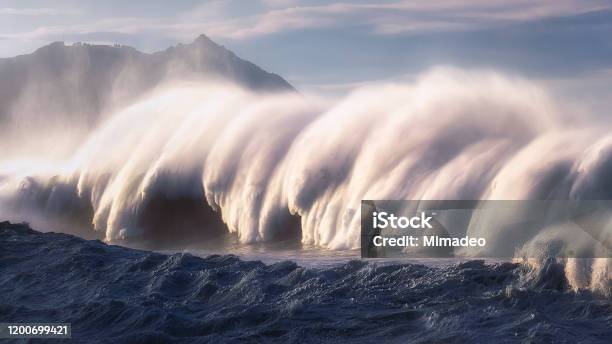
(80, 81)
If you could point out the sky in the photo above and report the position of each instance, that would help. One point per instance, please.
(335, 46)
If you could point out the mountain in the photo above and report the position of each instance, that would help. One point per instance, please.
(81, 80)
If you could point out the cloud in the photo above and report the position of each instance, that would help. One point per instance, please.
(234, 20)
(404, 17)
(37, 11)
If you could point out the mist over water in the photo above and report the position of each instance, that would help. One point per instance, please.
(206, 159)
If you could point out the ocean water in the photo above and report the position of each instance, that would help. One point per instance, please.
(113, 294)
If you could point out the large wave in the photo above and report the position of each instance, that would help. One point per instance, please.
(283, 165)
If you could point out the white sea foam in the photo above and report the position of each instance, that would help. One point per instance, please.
(261, 160)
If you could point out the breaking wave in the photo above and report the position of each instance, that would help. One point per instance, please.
(216, 158)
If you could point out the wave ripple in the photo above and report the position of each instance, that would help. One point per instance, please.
(120, 295)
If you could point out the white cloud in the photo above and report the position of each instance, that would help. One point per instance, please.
(403, 16)
(226, 19)
(37, 11)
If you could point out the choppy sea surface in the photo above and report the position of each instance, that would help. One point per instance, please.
(113, 294)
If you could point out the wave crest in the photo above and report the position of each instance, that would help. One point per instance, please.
(263, 161)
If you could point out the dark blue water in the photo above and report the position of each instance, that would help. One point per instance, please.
(114, 294)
